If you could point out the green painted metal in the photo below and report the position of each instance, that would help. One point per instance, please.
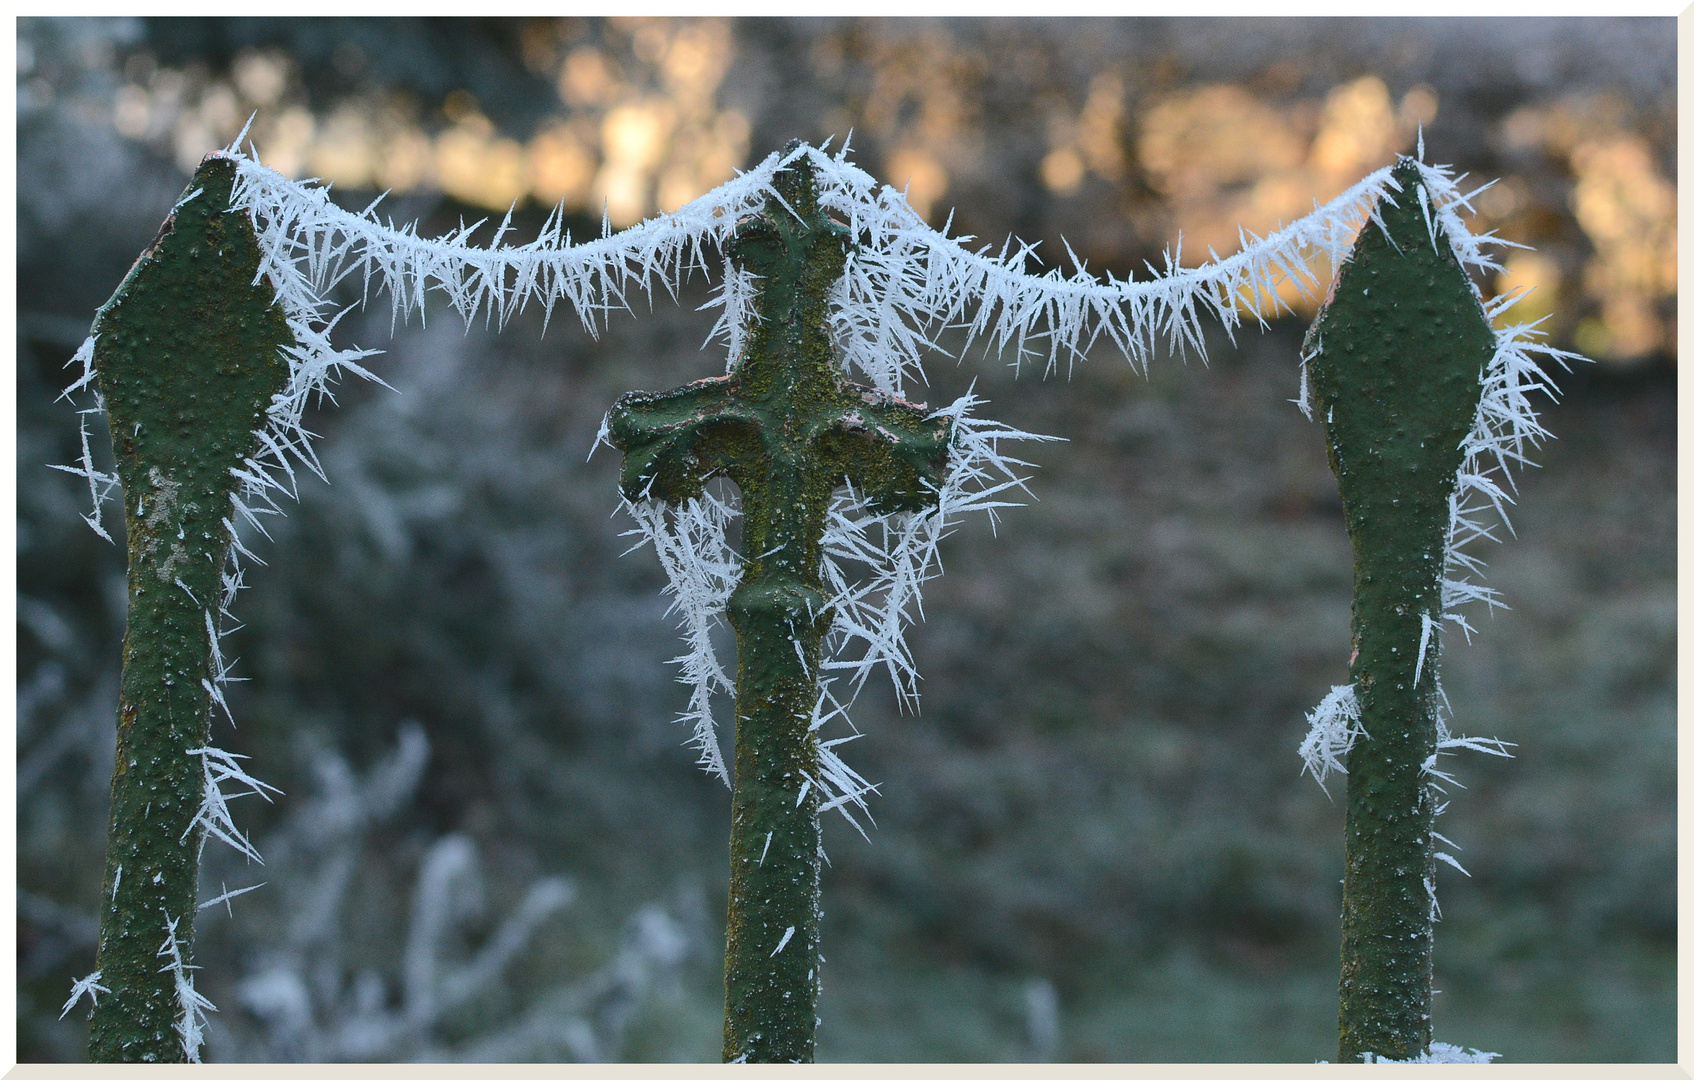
(788, 430)
(187, 363)
(1400, 347)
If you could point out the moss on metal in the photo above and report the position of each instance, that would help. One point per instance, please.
(186, 361)
(1400, 347)
(788, 430)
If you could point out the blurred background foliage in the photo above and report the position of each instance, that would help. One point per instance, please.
(1093, 842)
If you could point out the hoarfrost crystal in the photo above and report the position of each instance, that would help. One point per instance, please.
(1334, 730)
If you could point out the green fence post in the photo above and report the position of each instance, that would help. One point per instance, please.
(788, 430)
(1395, 361)
(186, 358)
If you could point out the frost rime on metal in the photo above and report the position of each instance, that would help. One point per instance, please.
(703, 569)
(905, 282)
(100, 484)
(1440, 1053)
(90, 985)
(1505, 429)
(194, 1007)
(1476, 462)
(1506, 425)
(214, 819)
(1334, 730)
(894, 554)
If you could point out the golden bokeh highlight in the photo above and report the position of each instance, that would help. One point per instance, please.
(1537, 278)
(562, 165)
(1629, 212)
(1626, 208)
(918, 107)
(475, 165)
(637, 132)
(1227, 160)
(1092, 142)
(920, 176)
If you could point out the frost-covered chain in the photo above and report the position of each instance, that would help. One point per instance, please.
(904, 282)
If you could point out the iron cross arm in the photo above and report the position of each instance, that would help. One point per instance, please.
(785, 423)
(889, 449)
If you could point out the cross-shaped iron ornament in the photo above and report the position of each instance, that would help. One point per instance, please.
(788, 430)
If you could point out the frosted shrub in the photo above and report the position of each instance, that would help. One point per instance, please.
(306, 995)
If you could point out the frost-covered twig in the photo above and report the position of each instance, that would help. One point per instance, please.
(311, 994)
(449, 887)
(586, 1020)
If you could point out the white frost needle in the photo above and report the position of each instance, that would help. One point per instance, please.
(1334, 728)
(191, 1022)
(226, 896)
(88, 984)
(1439, 1053)
(213, 818)
(783, 944)
(1450, 861)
